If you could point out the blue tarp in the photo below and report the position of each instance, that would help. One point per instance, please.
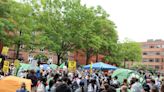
(100, 66)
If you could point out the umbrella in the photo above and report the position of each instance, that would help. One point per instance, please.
(53, 66)
(101, 66)
(126, 74)
(13, 83)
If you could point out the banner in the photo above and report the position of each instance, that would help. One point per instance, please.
(5, 51)
(6, 63)
(72, 66)
(6, 67)
(0, 60)
(16, 63)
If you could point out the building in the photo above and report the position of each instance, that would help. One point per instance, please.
(152, 54)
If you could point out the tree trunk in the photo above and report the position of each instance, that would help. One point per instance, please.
(87, 57)
(97, 56)
(77, 54)
(58, 59)
(18, 50)
(18, 46)
(124, 63)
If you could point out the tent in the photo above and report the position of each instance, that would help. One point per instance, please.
(100, 66)
(12, 83)
(53, 66)
(127, 74)
(23, 67)
(62, 65)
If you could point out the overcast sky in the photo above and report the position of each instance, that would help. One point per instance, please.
(137, 20)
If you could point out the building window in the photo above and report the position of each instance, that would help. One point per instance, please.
(157, 60)
(145, 46)
(158, 53)
(151, 60)
(144, 53)
(158, 46)
(145, 60)
(162, 46)
(156, 67)
(151, 46)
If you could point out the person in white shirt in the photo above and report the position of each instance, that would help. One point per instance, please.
(136, 87)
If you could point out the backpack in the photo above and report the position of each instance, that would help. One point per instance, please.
(34, 80)
(40, 88)
(75, 86)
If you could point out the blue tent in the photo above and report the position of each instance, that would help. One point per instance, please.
(101, 66)
(45, 66)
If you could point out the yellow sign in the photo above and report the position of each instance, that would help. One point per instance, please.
(5, 69)
(72, 65)
(0, 60)
(5, 51)
(16, 63)
(6, 63)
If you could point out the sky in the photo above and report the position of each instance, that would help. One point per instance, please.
(137, 20)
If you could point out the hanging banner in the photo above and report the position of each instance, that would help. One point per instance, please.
(0, 60)
(72, 66)
(16, 63)
(5, 51)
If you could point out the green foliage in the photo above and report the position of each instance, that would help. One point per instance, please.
(41, 57)
(131, 50)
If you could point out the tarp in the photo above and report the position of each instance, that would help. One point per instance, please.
(126, 74)
(53, 66)
(101, 66)
(12, 83)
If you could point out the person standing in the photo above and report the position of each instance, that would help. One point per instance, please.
(136, 87)
(23, 88)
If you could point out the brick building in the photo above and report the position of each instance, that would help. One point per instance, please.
(152, 54)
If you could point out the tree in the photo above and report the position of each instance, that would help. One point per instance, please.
(21, 13)
(6, 24)
(131, 51)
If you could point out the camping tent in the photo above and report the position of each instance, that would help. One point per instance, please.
(127, 74)
(12, 83)
(53, 66)
(100, 66)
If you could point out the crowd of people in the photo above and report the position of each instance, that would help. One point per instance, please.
(62, 80)
(85, 81)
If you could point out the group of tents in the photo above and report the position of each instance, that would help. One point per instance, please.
(11, 83)
(119, 72)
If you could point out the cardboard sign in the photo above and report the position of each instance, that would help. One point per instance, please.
(16, 63)
(72, 66)
(5, 69)
(6, 63)
(5, 51)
